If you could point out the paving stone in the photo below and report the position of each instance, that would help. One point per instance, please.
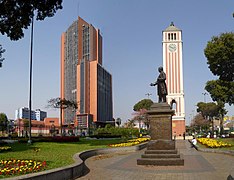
(197, 166)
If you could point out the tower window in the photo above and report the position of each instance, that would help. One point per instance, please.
(174, 36)
(169, 36)
(173, 104)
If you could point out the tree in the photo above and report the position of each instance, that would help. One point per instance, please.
(199, 122)
(222, 112)
(211, 110)
(3, 121)
(61, 104)
(143, 104)
(220, 58)
(16, 15)
(141, 116)
(208, 110)
(221, 91)
(130, 123)
(140, 109)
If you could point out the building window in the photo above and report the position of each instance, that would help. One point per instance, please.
(174, 36)
(86, 42)
(82, 85)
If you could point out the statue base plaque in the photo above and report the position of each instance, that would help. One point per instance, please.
(161, 150)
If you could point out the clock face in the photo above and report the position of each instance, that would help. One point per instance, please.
(172, 47)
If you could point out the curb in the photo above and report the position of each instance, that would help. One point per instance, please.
(78, 168)
(229, 152)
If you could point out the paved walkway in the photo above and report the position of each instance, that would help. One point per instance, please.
(198, 166)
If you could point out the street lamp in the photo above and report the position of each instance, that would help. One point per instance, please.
(148, 94)
(30, 83)
(205, 93)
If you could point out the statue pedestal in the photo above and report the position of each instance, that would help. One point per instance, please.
(161, 149)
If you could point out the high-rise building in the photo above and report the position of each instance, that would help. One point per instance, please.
(173, 67)
(83, 78)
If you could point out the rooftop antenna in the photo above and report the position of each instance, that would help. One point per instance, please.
(78, 6)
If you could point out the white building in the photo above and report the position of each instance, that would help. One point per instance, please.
(23, 113)
(40, 115)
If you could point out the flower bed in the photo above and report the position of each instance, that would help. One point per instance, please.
(213, 143)
(131, 142)
(18, 167)
(5, 148)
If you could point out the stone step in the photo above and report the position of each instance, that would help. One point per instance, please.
(160, 155)
(161, 151)
(161, 162)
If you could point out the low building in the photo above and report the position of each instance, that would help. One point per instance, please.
(44, 128)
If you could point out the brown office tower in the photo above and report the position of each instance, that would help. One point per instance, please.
(83, 78)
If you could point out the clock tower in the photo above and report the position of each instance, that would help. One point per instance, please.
(173, 67)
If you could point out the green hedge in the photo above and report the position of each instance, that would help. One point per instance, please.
(51, 139)
(117, 132)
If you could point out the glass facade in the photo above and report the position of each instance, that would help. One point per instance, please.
(71, 61)
(104, 94)
(82, 86)
(86, 42)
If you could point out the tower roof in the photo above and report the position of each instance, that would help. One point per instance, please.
(172, 28)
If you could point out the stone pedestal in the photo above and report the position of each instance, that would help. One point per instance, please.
(161, 149)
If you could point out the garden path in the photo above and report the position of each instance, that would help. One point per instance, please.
(198, 166)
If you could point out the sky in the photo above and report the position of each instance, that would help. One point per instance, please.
(132, 51)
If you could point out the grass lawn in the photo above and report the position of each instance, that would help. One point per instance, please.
(55, 154)
(230, 141)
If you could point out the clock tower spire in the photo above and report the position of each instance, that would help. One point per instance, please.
(173, 67)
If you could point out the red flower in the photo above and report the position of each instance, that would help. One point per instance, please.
(44, 163)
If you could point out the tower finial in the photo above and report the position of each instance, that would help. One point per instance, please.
(172, 24)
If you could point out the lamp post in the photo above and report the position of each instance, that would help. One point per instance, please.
(148, 94)
(1, 52)
(30, 83)
(205, 93)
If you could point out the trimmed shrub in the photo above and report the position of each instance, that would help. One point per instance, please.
(116, 132)
(52, 139)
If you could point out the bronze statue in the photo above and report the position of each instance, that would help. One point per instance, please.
(162, 87)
